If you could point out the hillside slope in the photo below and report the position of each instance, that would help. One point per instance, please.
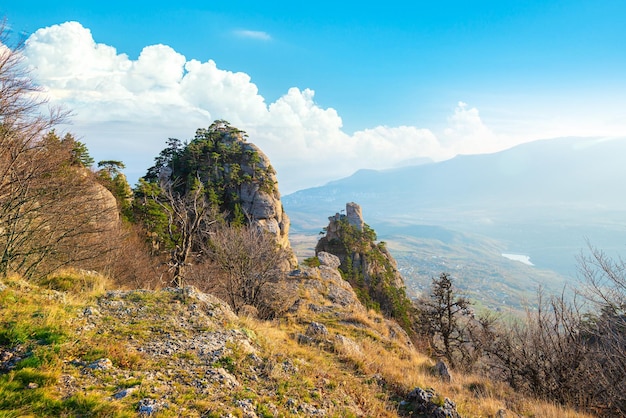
(85, 351)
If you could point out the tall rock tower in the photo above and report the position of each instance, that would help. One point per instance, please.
(366, 265)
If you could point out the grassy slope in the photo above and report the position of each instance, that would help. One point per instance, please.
(194, 358)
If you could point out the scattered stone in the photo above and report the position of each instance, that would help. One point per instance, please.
(149, 406)
(347, 345)
(5, 355)
(289, 367)
(304, 339)
(90, 311)
(221, 376)
(427, 403)
(292, 404)
(379, 380)
(32, 385)
(316, 330)
(311, 411)
(101, 364)
(503, 413)
(247, 408)
(442, 371)
(124, 393)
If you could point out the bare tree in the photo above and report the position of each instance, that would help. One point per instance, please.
(443, 316)
(249, 260)
(51, 211)
(604, 286)
(189, 217)
(545, 354)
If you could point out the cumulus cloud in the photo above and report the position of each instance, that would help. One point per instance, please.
(467, 134)
(125, 109)
(253, 34)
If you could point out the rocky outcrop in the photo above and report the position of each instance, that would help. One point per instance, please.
(367, 265)
(354, 215)
(108, 217)
(322, 291)
(427, 403)
(236, 175)
(167, 349)
(339, 237)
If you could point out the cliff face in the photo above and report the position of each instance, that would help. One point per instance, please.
(261, 200)
(367, 265)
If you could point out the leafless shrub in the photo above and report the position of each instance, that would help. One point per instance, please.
(604, 286)
(133, 266)
(545, 354)
(247, 262)
(444, 317)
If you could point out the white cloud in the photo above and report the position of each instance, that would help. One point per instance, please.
(254, 34)
(126, 109)
(467, 134)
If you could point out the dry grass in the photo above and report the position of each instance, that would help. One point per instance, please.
(377, 371)
(364, 372)
(83, 283)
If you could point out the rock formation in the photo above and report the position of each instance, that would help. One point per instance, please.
(427, 403)
(366, 265)
(237, 175)
(354, 215)
(354, 255)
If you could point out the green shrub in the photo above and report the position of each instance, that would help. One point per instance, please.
(311, 262)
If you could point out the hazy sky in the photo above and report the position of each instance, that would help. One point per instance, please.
(326, 88)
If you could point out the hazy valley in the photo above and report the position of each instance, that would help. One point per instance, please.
(542, 200)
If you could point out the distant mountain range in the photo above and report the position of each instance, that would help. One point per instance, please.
(541, 199)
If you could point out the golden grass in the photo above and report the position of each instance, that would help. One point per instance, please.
(349, 370)
(366, 373)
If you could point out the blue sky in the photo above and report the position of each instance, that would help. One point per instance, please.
(392, 81)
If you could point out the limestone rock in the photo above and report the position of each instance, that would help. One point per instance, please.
(221, 376)
(347, 345)
(427, 403)
(353, 243)
(124, 393)
(247, 408)
(254, 185)
(261, 200)
(316, 330)
(108, 214)
(148, 406)
(327, 259)
(354, 215)
(101, 364)
(331, 243)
